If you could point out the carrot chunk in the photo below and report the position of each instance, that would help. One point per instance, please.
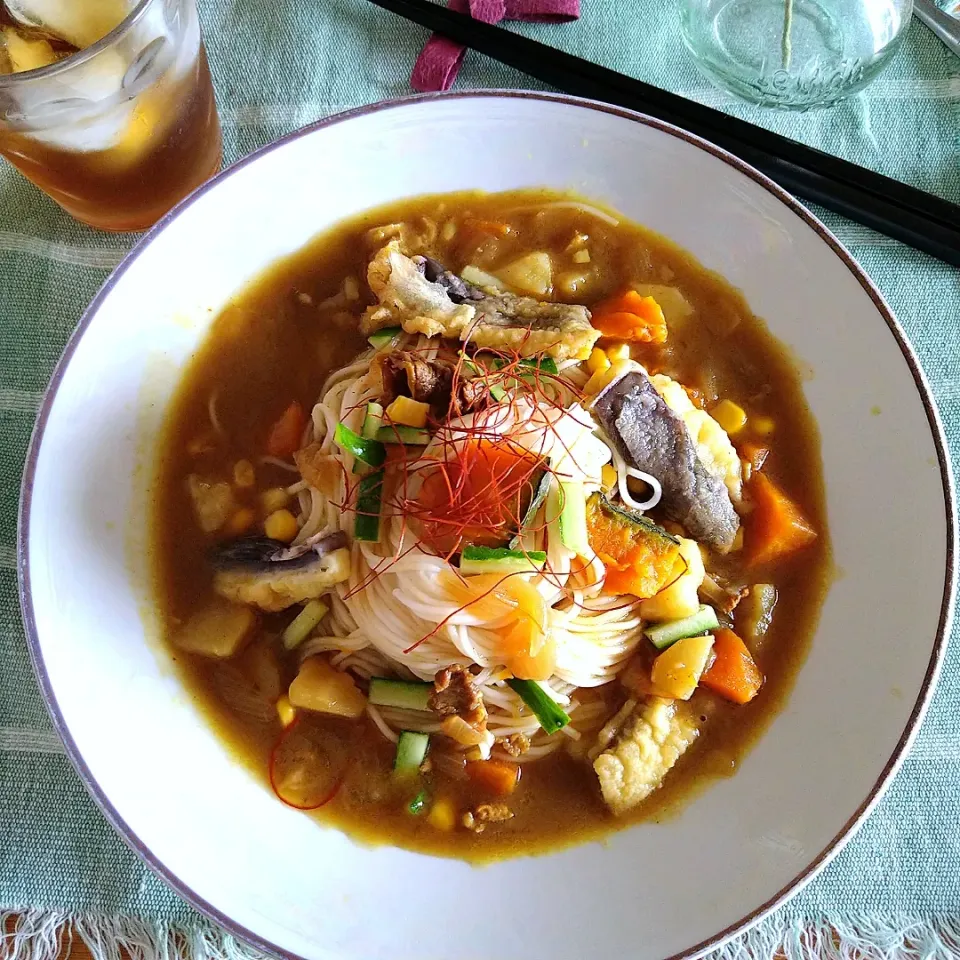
(630, 317)
(733, 675)
(285, 435)
(776, 527)
(494, 776)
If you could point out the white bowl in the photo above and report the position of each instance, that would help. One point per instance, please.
(276, 877)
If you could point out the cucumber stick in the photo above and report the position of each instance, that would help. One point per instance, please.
(411, 749)
(405, 694)
(369, 497)
(474, 560)
(540, 491)
(372, 421)
(384, 338)
(302, 625)
(567, 515)
(398, 433)
(663, 634)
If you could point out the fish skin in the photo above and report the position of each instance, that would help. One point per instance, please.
(652, 438)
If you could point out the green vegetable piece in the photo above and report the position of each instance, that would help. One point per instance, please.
(664, 634)
(372, 421)
(552, 718)
(408, 436)
(301, 626)
(567, 515)
(541, 488)
(371, 452)
(384, 338)
(418, 804)
(411, 749)
(405, 694)
(369, 497)
(474, 560)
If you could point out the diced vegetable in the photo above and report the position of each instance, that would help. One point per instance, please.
(755, 454)
(755, 612)
(681, 597)
(281, 525)
(664, 634)
(303, 624)
(274, 498)
(457, 729)
(640, 557)
(730, 416)
(764, 426)
(285, 711)
(677, 671)
(581, 256)
(552, 718)
(442, 815)
(618, 351)
(480, 278)
(407, 412)
(528, 649)
(213, 502)
(603, 378)
(218, 630)
(418, 804)
(495, 776)
(676, 308)
(321, 687)
(371, 452)
(384, 338)
(475, 560)
(541, 488)
(776, 526)
(630, 317)
(598, 361)
(369, 501)
(372, 421)
(734, 674)
(531, 274)
(567, 515)
(286, 434)
(411, 749)
(409, 436)
(243, 474)
(405, 694)
(240, 522)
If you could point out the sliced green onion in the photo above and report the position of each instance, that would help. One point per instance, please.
(546, 710)
(371, 452)
(418, 804)
(300, 627)
(367, 525)
(384, 338)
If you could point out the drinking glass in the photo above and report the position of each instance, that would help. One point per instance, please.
(793, 54)
(121, 131)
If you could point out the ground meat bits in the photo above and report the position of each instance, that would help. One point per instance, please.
(454, 694)
(477, 820)
(515, 745)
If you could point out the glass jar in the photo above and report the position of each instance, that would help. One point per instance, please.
(121, 131)
(793, 54)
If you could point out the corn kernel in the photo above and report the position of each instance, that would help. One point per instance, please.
(619, 351)
(608, 477)
(281, 525)
(730, 416)
(764, 426)
(243, 474)
(598, 361)
(240, 522)
(582, 256)
(442, 815)
(285, 710)
(276, 498)
(407, 412)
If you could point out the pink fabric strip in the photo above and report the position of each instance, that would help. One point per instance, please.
(439, 61)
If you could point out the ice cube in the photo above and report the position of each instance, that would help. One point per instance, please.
(80, 24)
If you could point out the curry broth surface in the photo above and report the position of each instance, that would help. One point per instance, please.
(268, 348)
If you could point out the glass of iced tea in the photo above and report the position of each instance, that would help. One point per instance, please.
(107, 105)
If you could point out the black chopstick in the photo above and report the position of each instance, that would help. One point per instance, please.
(921, 220)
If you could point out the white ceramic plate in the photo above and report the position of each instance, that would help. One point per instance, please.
(276, 877)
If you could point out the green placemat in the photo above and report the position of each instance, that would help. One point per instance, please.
(279, 64)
